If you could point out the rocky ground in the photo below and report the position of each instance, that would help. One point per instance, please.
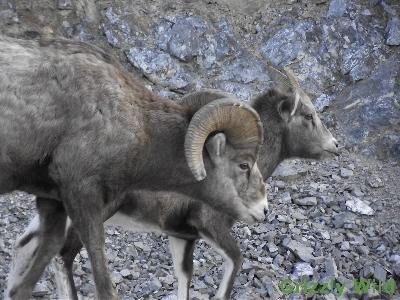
(334, 219)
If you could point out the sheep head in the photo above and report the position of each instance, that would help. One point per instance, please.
(224, 137)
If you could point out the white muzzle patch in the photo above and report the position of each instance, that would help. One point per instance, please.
(256, 212)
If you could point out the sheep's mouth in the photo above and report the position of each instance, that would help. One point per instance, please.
(253, 220)
(330, 152)
(257, 219)
(249, 218)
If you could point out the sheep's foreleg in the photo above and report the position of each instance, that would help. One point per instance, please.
(223, 242)
(182, 257)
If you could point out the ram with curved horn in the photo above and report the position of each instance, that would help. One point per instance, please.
(80, 133)
(196, 100)
(242, 126)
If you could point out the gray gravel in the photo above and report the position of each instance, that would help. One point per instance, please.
(326, 240)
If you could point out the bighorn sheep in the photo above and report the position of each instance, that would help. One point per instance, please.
(78, 132)
(294, 130)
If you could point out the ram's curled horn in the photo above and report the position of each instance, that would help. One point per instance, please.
(194, 101)
(239, 121)
(295, 86)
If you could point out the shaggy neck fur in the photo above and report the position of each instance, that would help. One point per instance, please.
(273, 151)
(164, 160)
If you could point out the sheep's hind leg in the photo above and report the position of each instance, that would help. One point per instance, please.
(84, 204)
(33, 251)
(71, 248)
(182, 257)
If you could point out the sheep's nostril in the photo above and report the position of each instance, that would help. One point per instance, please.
(336, 143)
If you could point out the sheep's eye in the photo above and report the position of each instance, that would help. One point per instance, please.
(244, 166)
(308, 117)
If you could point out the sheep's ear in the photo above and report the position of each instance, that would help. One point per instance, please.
(216, 146)
(285, 109)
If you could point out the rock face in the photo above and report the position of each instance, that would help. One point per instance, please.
(337, 8)
(370, 111)
(160, 67)
(346, 55)
(287, 44)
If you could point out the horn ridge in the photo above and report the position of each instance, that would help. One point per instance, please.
(296, 88)
(239, 121)
(194, 101)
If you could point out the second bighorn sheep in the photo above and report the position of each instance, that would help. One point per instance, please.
(79, 132)
(294, 130)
